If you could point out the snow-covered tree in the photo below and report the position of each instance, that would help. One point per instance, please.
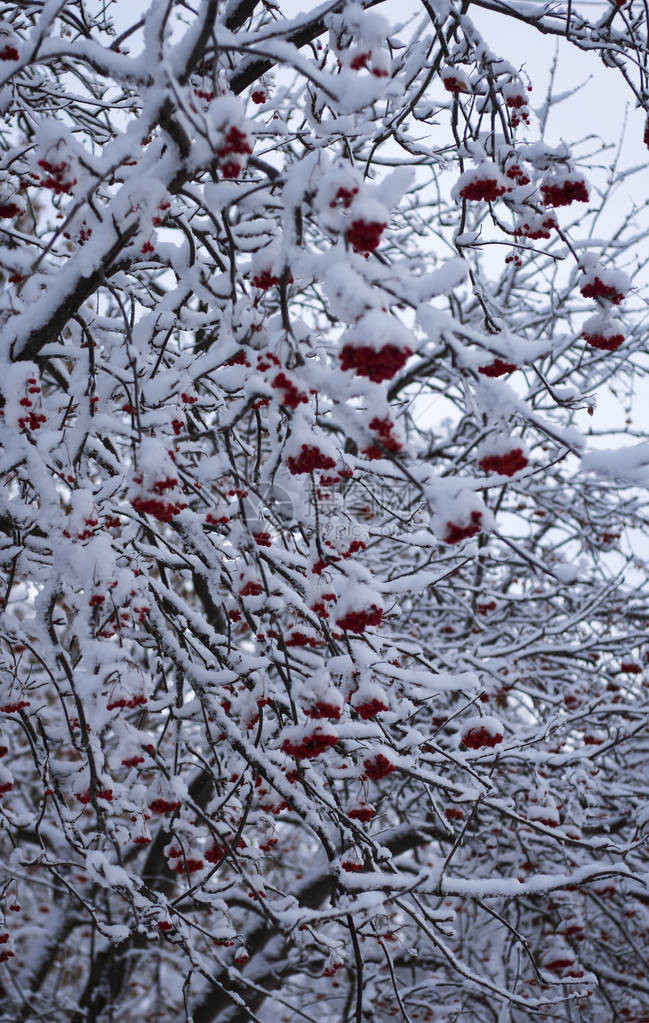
(324, 685)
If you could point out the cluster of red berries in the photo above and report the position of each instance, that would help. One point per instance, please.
(309, 746)
(56, 180)
(455, 533)
(131, 703)
(238, 360)
(292, 397)
(330, 971)
(452, 813)
(476, 738)
(536, 230)
(321, 709)
(497, 368)
(485, 189)
(353, 866)
(206, 94)
(218, 851)
(84, 797)
(370, 708)
(520, 111)
(14, 708)
(310, 458)
(378, 767)
(505, 465)
(163, 511)
(5, 954)
(358, 621)
(564, 193)
(33, 420)
(250, 589)
(302, 639)
(215, 853)
(266, 280)
(454, 84)
(359, 62)
(166, 484)
(517, 174)
(6, 786)
(605, 342)
(484, 609)
(258, 96)
(365, 236)
(385, 441)
(558, 965)
(377, 364)
(597, 288)
(134, 761)
(318, 607)
(188, 866)
(345, 196)
(157, 219)
(630, 667)
(9, 53)
(85, 233)
(236, 143)
(164, 806)
(362, 813)
(9, 209)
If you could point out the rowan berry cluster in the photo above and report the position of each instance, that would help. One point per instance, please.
(164, 806)
(370, 708)
(292, 396)
(378, 767)
(506, 464)
(309, 746)
(497, 368)
(358, 621)
(309, 459)
(236, 143)
(597, 288)
(456, 532)
(605, 342)
(477, 738)
(365, 236)
(564, 193)
(378, 364)
(56, 179)
(483, 189)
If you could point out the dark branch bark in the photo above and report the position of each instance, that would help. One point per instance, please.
(310, 896)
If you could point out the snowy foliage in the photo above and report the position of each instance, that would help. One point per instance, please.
(323, 653)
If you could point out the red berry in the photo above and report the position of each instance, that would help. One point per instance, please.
(310, 458)
(378, 767)
(309, 746)
(564, 193)
(506, 464)
(365, 236)
(476, 738)
(482, 189)
(377, 364)
(607, 343)
(358, 621)
(455, 532)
